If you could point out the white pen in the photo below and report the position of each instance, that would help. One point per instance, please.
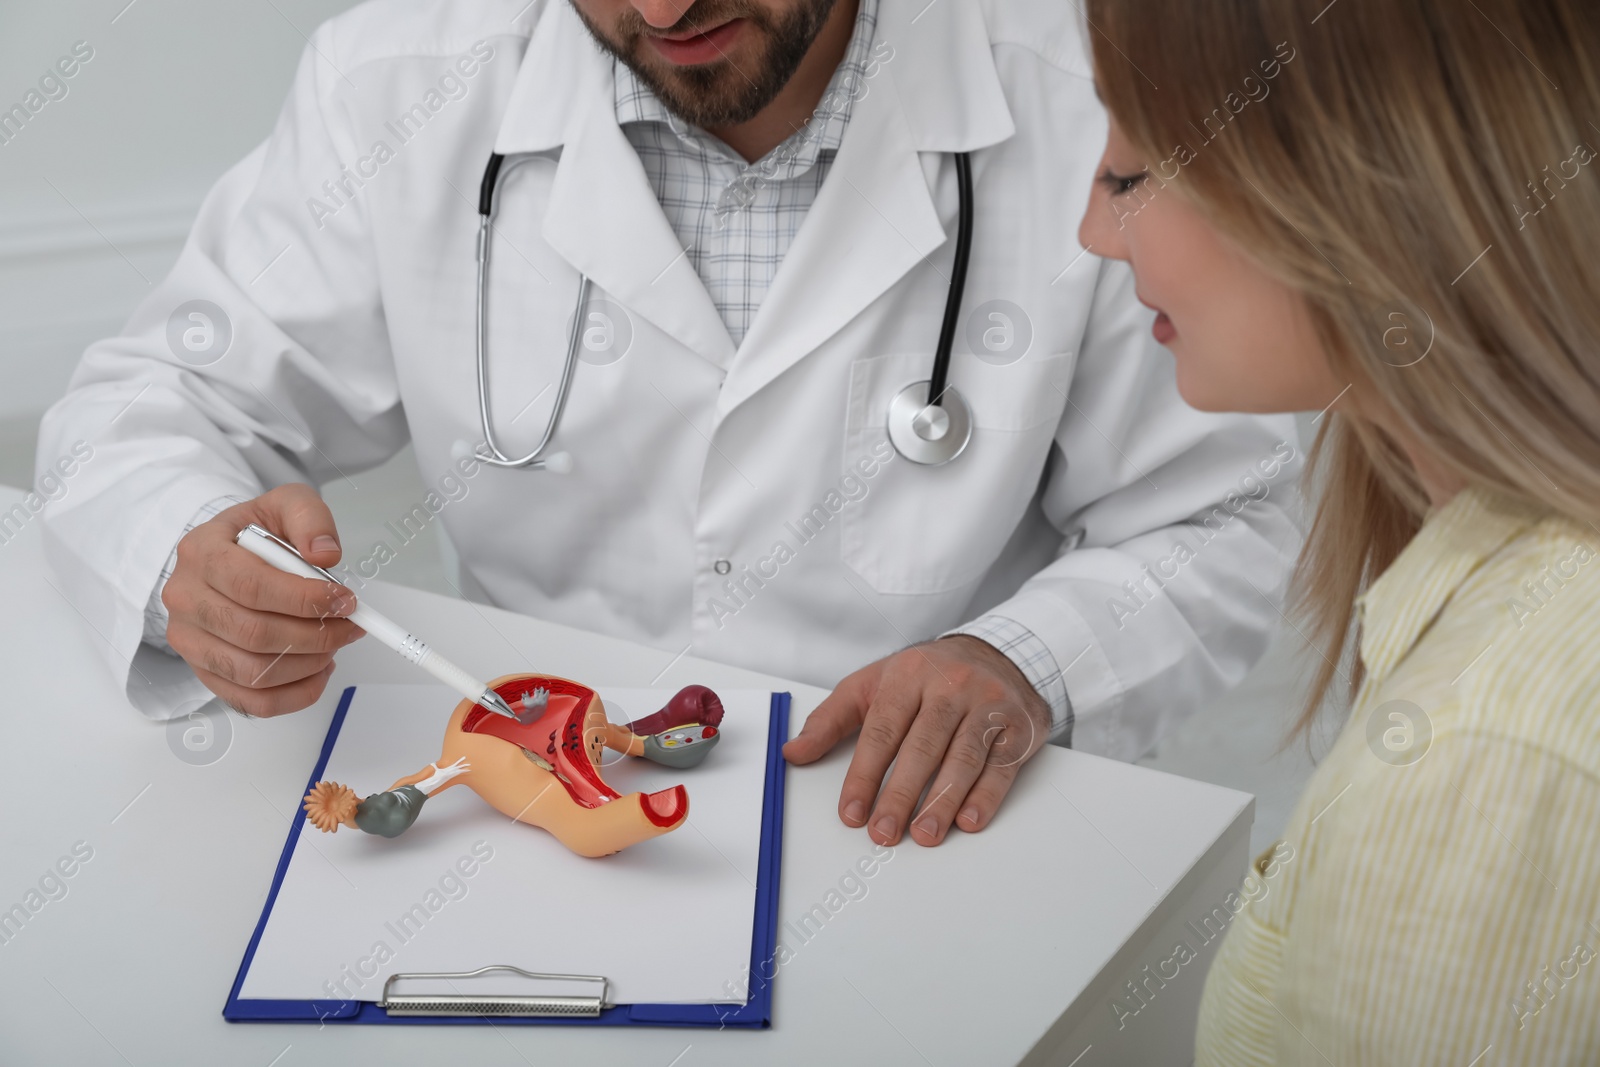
(266, 545)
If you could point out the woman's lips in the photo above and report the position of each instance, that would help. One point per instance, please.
(1163, 330)
(696, 46)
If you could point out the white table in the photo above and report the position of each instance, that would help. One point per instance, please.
(1001, 947)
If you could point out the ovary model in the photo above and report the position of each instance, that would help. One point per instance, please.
(544, 768)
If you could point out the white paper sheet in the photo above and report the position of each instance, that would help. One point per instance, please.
(667, 920)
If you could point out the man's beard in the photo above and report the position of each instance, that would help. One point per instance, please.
(716, 94)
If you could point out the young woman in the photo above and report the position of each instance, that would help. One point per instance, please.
(1387, 211)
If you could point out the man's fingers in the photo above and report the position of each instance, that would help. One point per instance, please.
(298, 515)
(266, 703)
(923, 748)
(252, 630)
(955, 718)
(984, 798)
(244, 579)
(247, 670)
(885, 725)
(839, 714)
(964, 763)
(259, 638)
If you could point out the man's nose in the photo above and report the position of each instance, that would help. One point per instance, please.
(662, 13)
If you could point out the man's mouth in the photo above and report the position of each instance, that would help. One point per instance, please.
(699, 45)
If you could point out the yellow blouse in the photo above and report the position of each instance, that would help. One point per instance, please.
(1436, 896)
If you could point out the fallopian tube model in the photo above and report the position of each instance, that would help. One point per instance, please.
(544, 768)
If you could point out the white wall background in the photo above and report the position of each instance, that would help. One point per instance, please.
(98, 189)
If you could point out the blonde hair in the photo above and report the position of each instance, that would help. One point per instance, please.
(1420, 172)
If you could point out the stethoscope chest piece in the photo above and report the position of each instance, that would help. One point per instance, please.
(929, 434)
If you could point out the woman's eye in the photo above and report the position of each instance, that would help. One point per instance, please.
(1121, 184)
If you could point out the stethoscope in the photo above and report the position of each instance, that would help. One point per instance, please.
(928, 421)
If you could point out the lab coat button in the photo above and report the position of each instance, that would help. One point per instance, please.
(722, 566)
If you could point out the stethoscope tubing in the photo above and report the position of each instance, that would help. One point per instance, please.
(494, 456)
(958, 281)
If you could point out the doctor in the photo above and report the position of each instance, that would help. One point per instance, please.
(763, 197)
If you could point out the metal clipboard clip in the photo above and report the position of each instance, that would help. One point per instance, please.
(462, 1004)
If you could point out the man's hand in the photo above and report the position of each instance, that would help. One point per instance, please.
(955, 710)
(260, 639)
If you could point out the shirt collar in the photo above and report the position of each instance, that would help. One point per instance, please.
(1454, 541)
(635, 102)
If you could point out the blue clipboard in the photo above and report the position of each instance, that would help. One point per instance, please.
(756, 1013)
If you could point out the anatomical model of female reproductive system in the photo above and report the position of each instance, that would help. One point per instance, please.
(543, 769)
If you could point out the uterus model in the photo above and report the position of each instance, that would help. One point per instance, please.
(543, 768)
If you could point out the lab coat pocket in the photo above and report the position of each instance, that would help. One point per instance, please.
(918, 529)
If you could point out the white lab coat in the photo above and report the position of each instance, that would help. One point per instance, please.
(351, 316)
